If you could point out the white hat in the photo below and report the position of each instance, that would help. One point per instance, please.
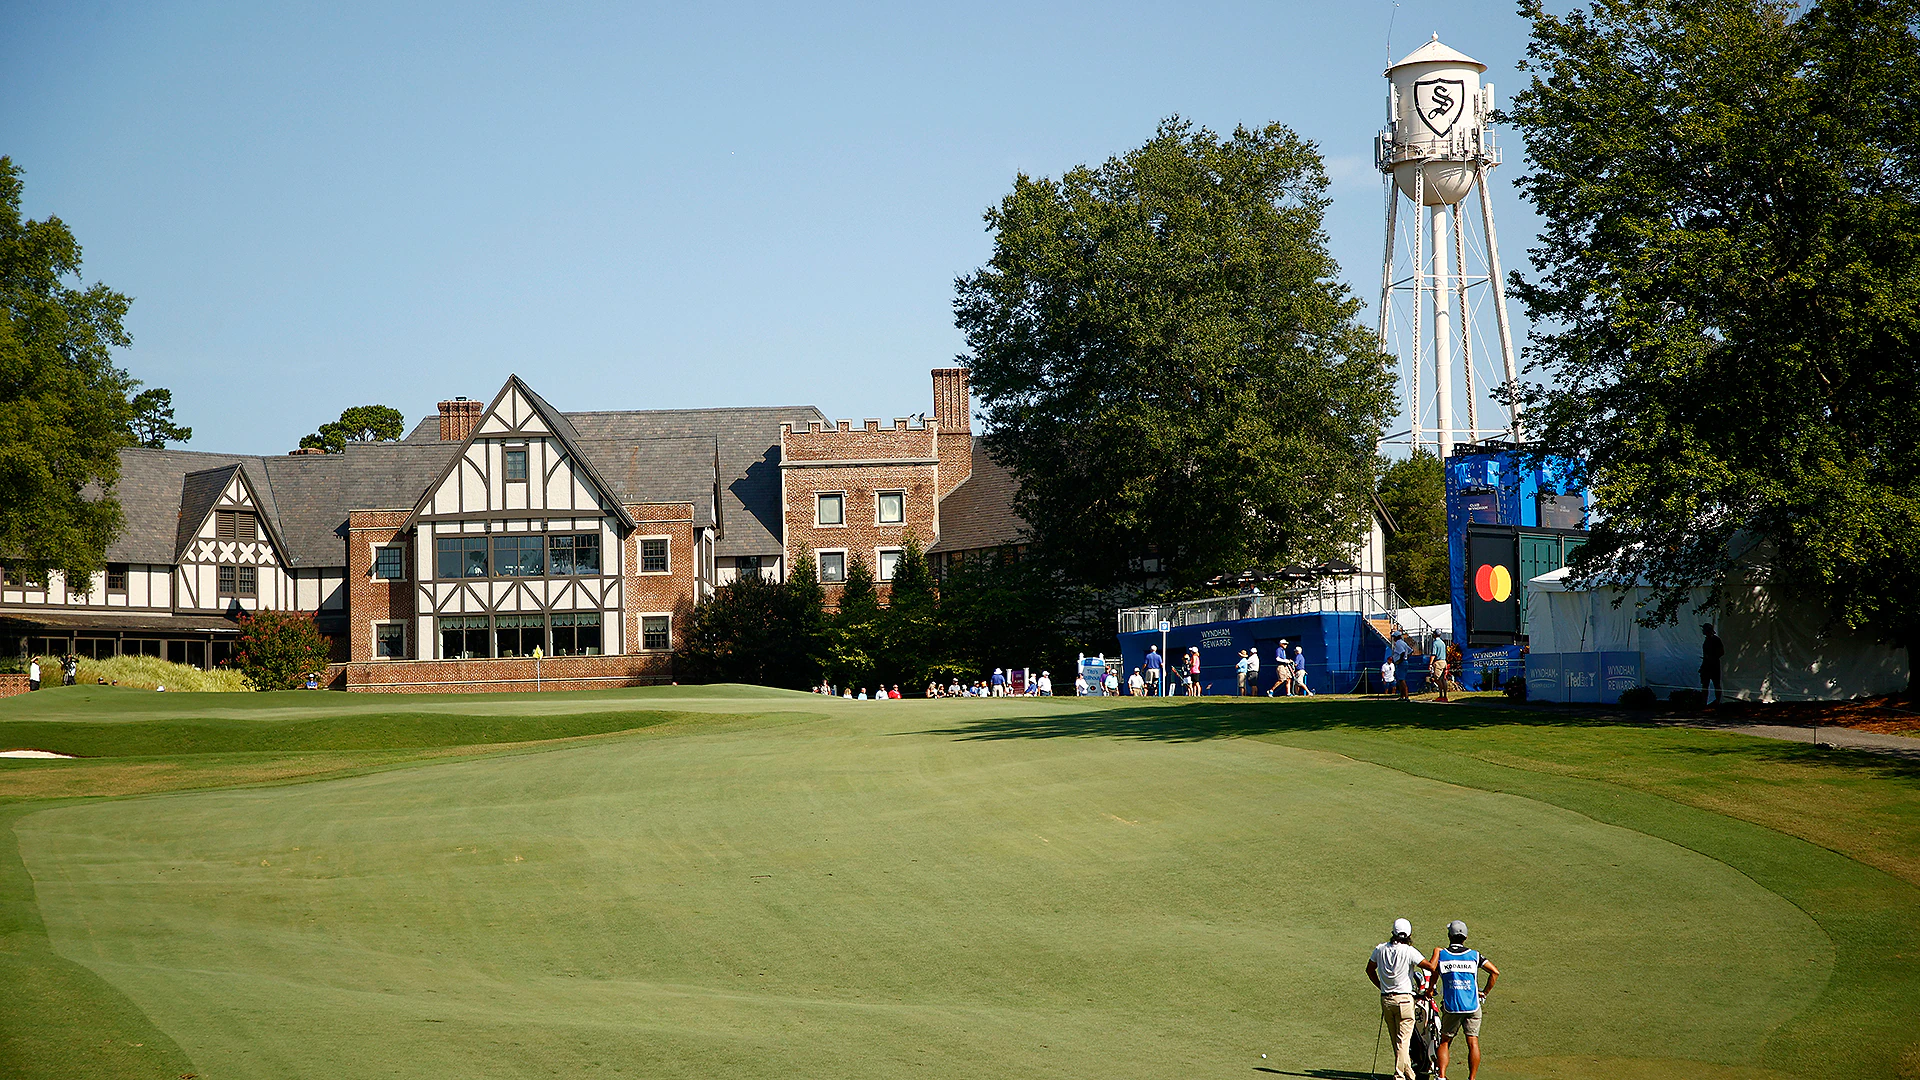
(1402, 929)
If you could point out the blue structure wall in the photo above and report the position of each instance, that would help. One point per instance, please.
(1339, 645)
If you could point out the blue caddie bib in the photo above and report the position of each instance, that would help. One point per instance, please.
(1459, 980)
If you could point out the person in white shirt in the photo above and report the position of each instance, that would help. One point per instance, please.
(1079, 686)
(33, 674)
(1391, 969)
(1253, 672)
(1046, 685)
(1135, 684)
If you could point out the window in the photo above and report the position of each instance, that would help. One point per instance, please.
(833, 566)
(116, 577)
(249, 581)
(22, 579)
(460, 556)
(522, 555)
(238, 525)
(516, 462)
(389, 563)
(390, 641)
(889, 561)
(831, 509)
(746, 566)
(573, 554)
(893, 507)
(576, 633)
(463, 637)
(653, 556)
(226, 575)
(519, 635)
(656, 631)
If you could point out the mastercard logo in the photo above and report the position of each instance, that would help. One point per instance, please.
(1493, 583)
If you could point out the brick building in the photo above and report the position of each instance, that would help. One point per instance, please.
(510, 545)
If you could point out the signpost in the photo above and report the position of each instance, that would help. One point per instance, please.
(1160, 682)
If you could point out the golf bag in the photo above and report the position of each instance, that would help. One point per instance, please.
(1425, 1048)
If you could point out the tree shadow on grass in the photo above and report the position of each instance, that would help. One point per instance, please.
(1234, 718)
(1321, 1074)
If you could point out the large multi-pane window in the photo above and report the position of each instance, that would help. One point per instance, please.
(390, 640)
(576, 633)
(573, 553)
(516, 462)
(892, 507)
(460, 556)
(831, 508)
(520, 555)
(227, 580)
(463, 637)
(389, 563)
(249, 581)
(653, 556)
(116, 577)
(656, 631)
(519, 635)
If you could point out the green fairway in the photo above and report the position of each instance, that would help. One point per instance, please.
(718, 882)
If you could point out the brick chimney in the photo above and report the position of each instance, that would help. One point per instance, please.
(953, 412)
(458, 418)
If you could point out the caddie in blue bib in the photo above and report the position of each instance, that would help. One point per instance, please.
(1459, 979)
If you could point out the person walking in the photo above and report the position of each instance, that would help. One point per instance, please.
(1391, 970)
(1282, 678)
(1153, 669)
(1460, 995)
(1253, 672)
(1135, 684)
(1437, 672)
(1300, 670)
(1711, 650)
(33, 674)
(1110, 683)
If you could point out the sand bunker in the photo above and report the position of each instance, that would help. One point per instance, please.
(33, 753)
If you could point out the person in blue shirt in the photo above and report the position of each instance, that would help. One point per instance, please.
(1152, 667)
(1460, 995)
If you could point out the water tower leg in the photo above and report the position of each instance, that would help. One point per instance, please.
(1386, 260)
(1466, 328)
(1442, 333)
(1499, 300)
(1419, 301)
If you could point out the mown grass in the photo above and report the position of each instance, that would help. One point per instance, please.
(1195, 847)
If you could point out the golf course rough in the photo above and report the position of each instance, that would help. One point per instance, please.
(852, 891)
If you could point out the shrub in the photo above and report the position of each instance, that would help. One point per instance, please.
(277, 649)
(150, 672)
(1687, 700)
(1516, 687)
(1639, 699)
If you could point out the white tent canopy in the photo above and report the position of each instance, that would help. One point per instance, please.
(1776, 649)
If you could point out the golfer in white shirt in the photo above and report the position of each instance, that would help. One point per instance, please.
(1391, 969)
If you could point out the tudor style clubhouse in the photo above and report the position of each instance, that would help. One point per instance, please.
(513, 546)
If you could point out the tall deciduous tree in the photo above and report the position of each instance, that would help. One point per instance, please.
(1169, 363)
(1414, 491)
(854, 635)
(361, 423)
(1728, 292)
(65, 409)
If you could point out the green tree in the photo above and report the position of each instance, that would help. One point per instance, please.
(1414, 492)
(276, 650)
(803, 615)
(733, 636)
(855, 633)
(1000, 611)
(1170, 364)
(361, 423)
(65, 409)
(1727, 292)
(912, 635)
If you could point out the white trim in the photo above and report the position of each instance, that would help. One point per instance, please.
(842, 523)
(640, 556)
(640, 630)
(376, 624)
(842, 552)
(877, 519)
(879, 551)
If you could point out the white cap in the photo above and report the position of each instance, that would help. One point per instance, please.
(1402, 928)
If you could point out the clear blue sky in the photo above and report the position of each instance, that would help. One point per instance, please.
(317, 206)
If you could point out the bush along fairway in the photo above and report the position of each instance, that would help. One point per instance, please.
(724, 881)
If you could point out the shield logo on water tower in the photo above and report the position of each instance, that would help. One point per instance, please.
(1440, 103)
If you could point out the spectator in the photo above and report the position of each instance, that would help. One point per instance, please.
(1300, 670)
(1080, 685)
(999, 683)
(1282, 674)
(1153, 666)
(1045, 684)
(1193, 668)
(33, 674)
(1135, 684)
(1253, 670)
(69, 669)
(1111, 684)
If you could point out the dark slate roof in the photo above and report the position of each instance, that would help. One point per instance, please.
(198, 492)
(979, 513)
(152, 483)
(658, 471)
(749, 443)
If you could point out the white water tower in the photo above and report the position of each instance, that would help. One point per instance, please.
(1436, 149)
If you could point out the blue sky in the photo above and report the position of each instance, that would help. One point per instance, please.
(320, 206)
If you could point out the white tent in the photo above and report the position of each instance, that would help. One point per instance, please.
(1776, 649)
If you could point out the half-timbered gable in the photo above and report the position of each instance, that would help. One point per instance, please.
(521, 543)
(229, 558)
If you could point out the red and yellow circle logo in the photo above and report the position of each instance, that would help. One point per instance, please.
(1493, 583)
